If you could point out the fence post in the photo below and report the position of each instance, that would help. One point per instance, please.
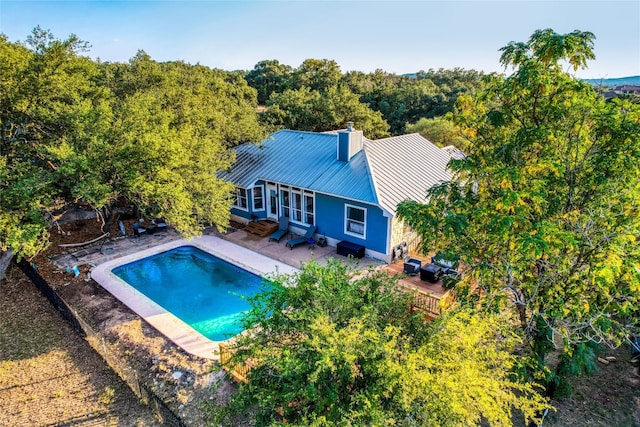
(158, 405)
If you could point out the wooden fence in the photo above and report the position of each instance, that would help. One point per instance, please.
(431, 305)
(97, 341)
(237, 371)
(427, 303)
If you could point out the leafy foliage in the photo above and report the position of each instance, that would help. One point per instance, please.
(48, 100)
(331, 347)
(545, 210)
(441, 131)
(268, 77)
(331, 103)
(312, 110)
(77, 131)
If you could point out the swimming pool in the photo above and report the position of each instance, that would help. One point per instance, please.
(193, 316)
(206, 292)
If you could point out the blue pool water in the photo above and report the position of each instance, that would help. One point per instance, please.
(204, 291)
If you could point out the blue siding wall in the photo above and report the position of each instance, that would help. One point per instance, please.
(240, 213)
(330, 218)
(247, 214)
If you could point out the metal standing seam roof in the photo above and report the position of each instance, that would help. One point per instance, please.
(386, 172)
(405, 167)
(303, 159)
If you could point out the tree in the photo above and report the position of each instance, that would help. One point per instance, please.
(441, 131)
(174, 125)
(48, 98)
(407, 99)
(332, 346)
(451, 84)
(267, 77)
(316, 74)
(306, 109)
(74, 131)
(545, 210)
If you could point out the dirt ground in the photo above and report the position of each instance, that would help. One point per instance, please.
(49, 375)
(608, 398)
(29, 345)
(184, 382)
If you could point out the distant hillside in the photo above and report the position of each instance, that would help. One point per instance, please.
(619, 81)
(632, 80)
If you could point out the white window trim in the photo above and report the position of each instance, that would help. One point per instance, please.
(362, 236)
(284, 206)
(292, 203)
(253, 200)
(305, 213)
(237, 198)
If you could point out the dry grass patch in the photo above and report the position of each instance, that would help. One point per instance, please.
(49, 375)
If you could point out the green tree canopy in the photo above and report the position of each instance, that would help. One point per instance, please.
(48, 98)
(269, 76)
(75, 131)
(306, 109)
(441, 131)
(545, 210)
(407, 99)
(316, 74)
(334, 347)
(400, 99)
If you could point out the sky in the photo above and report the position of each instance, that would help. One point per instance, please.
(395, 36)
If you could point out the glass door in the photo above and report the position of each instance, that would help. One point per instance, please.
(272, 201)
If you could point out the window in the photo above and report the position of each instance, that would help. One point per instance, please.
(240, 198)
(258, 198)
(285, 203)
(272, 199)
(309, 207)
(355, 221)
(298, 205)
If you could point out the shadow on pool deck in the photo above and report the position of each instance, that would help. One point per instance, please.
(293, 257)
(97, 254)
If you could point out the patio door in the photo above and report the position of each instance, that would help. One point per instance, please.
(272, 201)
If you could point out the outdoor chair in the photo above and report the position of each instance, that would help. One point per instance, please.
(161, 224)
(412, 266)
(138, 229)
(304, 239)
(431, 273)
(283, 228)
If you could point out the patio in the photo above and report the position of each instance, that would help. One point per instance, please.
(293, 257)
(107, 250)
(414, 282)
(429, 296)
(99, 253)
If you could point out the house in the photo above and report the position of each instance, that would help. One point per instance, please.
(627, 90)
(343, 183)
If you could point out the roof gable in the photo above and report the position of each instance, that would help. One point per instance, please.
(386, 172)
(405, 167)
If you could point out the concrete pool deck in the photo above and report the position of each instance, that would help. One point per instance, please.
(100, 253)
(168, 324)
(258, 255)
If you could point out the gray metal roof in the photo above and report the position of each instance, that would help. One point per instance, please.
(303, 159)
(405, 167)
(386, 172)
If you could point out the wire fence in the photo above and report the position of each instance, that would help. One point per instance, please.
(98, 343)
